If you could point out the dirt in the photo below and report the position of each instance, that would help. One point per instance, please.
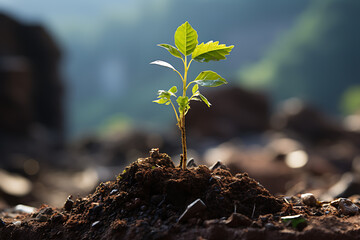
(148, 199)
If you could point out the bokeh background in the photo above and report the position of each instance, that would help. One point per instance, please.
(76, 90)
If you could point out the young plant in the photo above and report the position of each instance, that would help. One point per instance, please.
(186, 42)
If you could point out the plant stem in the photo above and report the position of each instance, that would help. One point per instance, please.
(177, 117)
(182, 120)
(183, 141)
(185, 77)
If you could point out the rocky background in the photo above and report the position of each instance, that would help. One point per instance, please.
(31, 104)
(31, 92)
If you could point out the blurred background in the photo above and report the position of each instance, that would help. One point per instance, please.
(76, 90)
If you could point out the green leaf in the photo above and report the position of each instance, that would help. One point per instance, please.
(173, 90)
(161, 101)
(183, 103)
(195, 88)
(186, 39)
(296, 221)
(164, 94)
(173, 50)
(214, 51)
(196, 99)
(209, 79)
(163, 63)
(203, 98)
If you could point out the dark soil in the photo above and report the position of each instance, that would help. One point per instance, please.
(148, 198)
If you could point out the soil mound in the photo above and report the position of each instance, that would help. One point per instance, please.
(147, 199)
(153, 199)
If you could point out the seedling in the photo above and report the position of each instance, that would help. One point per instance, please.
(297, 221)
(186, 42)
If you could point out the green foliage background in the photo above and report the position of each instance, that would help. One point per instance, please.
(318, 60)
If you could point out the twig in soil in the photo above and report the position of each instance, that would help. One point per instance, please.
(253, 212)
(235, 206)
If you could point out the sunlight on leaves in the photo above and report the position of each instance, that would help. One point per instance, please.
(164, 64)
(173, 50)
(209, 79)
(211, 51)
(186, 39)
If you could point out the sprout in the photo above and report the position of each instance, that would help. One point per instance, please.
(186, 42)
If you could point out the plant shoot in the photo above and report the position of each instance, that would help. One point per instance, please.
(186, 42)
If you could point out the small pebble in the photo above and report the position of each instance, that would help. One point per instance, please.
(137, 201)
(191, 163)
(217, 165)
(309, 199)
(95, 224)
(17, 223)
(113, 191)
(154, 153)
(192, 209)
(68, 203)
(24, 209)
(347, 207)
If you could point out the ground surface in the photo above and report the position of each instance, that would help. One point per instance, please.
(152, 199)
